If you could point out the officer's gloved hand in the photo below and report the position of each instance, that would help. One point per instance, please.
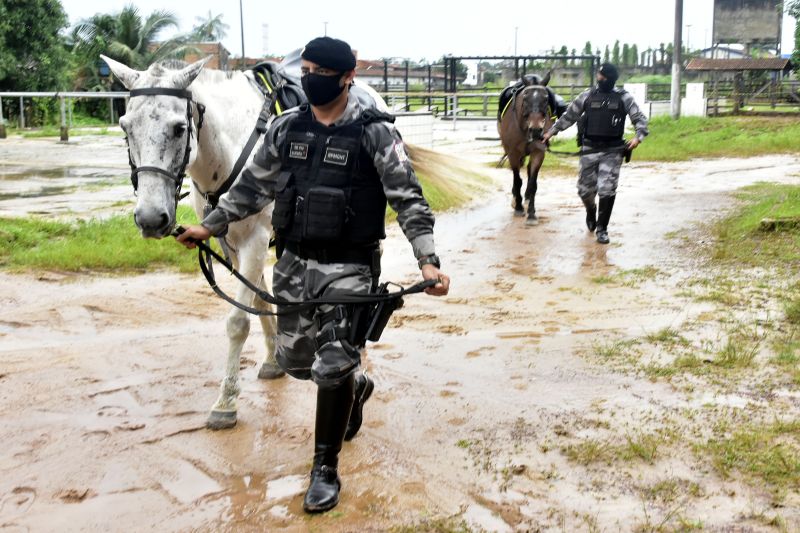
(441, 288)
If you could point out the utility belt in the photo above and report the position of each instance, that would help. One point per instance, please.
(364, 255)
(357, 323)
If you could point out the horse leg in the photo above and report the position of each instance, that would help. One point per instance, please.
(519, 208)
(534, 164)
(269, 367)
(223, 412)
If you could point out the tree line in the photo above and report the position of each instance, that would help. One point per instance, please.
(39, 51)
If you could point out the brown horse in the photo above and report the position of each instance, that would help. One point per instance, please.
(526, 118)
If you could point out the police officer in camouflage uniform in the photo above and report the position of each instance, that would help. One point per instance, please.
(330, 167)
(602, 111)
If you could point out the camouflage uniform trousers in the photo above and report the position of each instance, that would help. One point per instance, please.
(599, 174)
(297, 279)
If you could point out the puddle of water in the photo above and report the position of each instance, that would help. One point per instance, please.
(57, 190)
(189, 484)
(286, 487)
(483, 519)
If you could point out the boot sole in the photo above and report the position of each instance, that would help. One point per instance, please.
(320, 508)
(350, 435)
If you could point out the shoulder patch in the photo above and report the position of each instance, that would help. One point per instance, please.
(400, 150)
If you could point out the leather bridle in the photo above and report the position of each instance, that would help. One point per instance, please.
(176, 177)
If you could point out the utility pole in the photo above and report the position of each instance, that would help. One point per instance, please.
(675, 95)
(516, 30)
(326, 28)
(241, 27)
(688, 37)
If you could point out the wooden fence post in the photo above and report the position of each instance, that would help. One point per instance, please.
(64, 128)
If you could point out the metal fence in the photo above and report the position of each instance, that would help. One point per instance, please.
(65, 99)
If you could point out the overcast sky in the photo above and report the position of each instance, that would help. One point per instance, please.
(417, 29)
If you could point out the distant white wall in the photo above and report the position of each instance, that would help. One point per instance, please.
(693, 105)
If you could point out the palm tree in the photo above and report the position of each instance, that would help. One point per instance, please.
(127, 37)
(209, 29)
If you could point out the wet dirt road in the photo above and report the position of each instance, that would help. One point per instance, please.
(105, 383)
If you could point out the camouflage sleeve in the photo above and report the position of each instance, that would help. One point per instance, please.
(638, 119)
(401, 186)
(254, 189)
(572, 115)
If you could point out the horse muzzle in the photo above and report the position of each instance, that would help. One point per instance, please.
(534, 134)
(154, 223)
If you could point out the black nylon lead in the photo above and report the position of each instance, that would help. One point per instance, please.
(206, 255)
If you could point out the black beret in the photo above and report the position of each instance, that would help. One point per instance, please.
(609, 71)
(330, 53)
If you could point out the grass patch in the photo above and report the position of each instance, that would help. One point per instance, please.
(434, 525)
(736, 354)
(741, 242)
(111, 245)
(637, 447)
(766, 453)
(667, 336)
(693, 137)
(792, 312)
(588, 451)
(628, 278)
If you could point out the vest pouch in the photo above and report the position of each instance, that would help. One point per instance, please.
(324, 214)
(283, 212)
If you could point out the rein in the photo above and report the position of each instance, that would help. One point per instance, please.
(205, 255)
(546, 147)
(178, 176)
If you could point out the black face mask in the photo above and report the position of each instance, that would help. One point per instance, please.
(606, 86)
(321, 90)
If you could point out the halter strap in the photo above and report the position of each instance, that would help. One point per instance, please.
(161, 91)
(177, 177)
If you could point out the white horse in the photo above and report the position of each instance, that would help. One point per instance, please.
(157, 126)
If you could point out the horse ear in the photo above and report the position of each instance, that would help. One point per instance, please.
(546, 79)
(184, 77)
(124, 73)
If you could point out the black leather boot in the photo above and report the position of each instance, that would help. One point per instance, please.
(591, 212)
(364, 388)
(333, 412)
(603, 216)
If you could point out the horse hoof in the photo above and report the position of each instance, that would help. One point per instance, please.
(268, 371)
(519, 212)
(532, 221)
(221, 420)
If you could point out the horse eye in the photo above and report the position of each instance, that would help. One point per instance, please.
(179, 130)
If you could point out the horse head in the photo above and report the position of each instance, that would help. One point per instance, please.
(160, 125)
(534, 111)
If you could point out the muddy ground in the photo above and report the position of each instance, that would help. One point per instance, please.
(482, 397)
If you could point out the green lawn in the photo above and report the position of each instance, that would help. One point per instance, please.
(696, 137)
(111, 245)
(741, 242)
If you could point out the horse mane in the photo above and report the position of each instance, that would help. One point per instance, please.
(166, 67)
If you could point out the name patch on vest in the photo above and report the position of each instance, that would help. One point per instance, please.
(336, 156)
(298, 151)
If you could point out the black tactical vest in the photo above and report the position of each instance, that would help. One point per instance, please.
(329, 193)
(604, 117)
